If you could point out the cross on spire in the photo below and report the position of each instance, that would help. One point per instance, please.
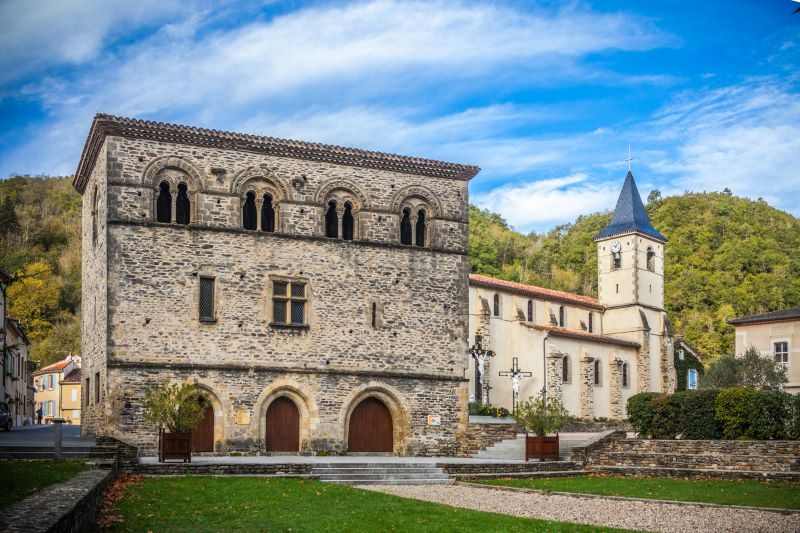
(630, 158)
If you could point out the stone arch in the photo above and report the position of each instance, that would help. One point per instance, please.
(302, 398)
(153, 174)
(220, 414)
(349, 192)
(392, 399)
(416, 197)
(270, 180)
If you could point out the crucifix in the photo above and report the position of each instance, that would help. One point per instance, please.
(480, 354)
(516, 375)
(486, 389)
(630, 158)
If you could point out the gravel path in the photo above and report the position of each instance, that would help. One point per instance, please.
(649, 516)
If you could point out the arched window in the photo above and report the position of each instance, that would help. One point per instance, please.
(565, 369)
(597, 372)
(182, 205)
(561, 316)
(496, 305)
(530, 310)
(591, 322)
(331, 221)
(420, 228)
(249, 215)
(405, 227)
(625, 378)
(347, 222)
(651, 259)
(268, 214)
(164, 203)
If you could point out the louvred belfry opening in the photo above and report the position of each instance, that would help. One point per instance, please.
(370, 427)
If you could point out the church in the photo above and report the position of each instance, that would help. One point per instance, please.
(318, 294)
(589, 354)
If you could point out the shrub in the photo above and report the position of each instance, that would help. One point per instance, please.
(698, 417)
(176, 408)
(640, 412)
(793, 416)
(475, 408)
(731, 410)
(540, 416)
(766, 415)
(666, 421)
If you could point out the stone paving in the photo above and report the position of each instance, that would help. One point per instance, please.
(650, 516)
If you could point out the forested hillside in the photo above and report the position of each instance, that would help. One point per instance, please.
(726, 256)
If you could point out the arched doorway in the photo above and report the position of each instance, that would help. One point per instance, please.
(282, 426)
(203, 434)
(370, 428)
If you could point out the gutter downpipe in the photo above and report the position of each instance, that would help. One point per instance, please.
(544, 367)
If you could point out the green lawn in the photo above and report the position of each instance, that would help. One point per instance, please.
(263, 504)
(749, 492)
(22, 478)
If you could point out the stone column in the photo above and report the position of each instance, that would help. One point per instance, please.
(428, 234)
(615, 388)
(339, 215)
(586, 381)
(259, 205)
(413, 219)
(173, 215)
(554, 384)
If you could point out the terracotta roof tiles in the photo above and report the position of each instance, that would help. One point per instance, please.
(534, 291)
(582, 335)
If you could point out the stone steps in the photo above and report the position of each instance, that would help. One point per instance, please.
(514, 449)
(381, 473)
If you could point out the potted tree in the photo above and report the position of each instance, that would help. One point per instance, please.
(175, 410)
(541, 417)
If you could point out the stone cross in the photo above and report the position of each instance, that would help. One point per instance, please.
(629, 158)
(486, 389)
(516, 376)
(480, 354)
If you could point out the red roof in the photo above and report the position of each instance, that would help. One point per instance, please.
(74, 377)
(534, 291)
(582, 335)
(55, 367)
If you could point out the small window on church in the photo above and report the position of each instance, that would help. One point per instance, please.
(182, 205)
(405, 227)
(625, 377)
(97, 387)
(206, 299)
(288, 303)
(496, 305)
(530, 310)
(597, 368)
(164, 203)
(420, 228)
(348, 222)
(565, 369)
(591, 322)
(374, 315)
(561, 317)
(616, 261)
(268, 215)
(249, 215)
(651, 259)
(331, 221)
(94, 215)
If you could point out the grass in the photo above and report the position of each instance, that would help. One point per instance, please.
(258, 504)
(755, 493)
(23, 478)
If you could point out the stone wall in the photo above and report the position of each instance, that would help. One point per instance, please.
(481, 436)
(754, 456)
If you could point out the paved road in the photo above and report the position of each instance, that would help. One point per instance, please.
(43, 435)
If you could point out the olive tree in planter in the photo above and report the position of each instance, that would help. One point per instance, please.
(541, 417)
(175, 410)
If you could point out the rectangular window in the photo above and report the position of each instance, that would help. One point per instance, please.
(691, 381)
(289, 303)
(206, 299)
(782, 352)
(86, 393)
(51, 408)
(97, 387)
(74, 395)
(52, 382)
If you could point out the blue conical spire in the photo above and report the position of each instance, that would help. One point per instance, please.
(630, 215)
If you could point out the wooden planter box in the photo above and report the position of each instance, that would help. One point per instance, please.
(541, 447)
(173, 446)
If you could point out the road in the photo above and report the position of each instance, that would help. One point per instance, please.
(44, 435)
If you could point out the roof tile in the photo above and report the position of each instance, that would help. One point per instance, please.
(534, 291)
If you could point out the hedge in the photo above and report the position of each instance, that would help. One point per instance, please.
(740, 413)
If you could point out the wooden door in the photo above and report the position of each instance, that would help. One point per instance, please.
(283, 426)
(203, 434)
(370, 427)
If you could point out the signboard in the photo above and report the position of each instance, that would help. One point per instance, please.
(434, 420)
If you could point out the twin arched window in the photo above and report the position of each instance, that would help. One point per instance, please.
(413, 227)
(254, 218)
(336, 219)
(165, 206)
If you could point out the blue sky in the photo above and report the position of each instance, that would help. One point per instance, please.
(544, 96)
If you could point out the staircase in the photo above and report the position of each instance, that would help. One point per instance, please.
(514, 449)
(381, 473)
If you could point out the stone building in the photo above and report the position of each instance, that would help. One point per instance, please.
(599, 352)
(57, 393)
(17, 384)
(317, 293)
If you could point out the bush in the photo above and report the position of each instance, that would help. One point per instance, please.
(767, 415)
(640, 412)
(698, 417)
(475, 408)
(731, 410)
(541, 417)
(793, 415)
(666, 421)
(175, 408)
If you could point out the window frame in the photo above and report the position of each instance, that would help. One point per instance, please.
(689, 373)
(288, 298)
(96, 388)
(782, 354)
(566, 370)
(496, 305)
(625, 377)
(530, 316)
(597, 368)
(562, 317)
(200, 317)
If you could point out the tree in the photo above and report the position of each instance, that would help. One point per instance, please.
(9, 222)
(749, 370)
(33, 299)
(654, 197)
(540, 416)
(175, 408)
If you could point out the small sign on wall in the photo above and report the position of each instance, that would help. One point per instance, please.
(243, 417)
(434, 420)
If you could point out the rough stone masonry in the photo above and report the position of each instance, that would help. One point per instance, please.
(374, 317)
